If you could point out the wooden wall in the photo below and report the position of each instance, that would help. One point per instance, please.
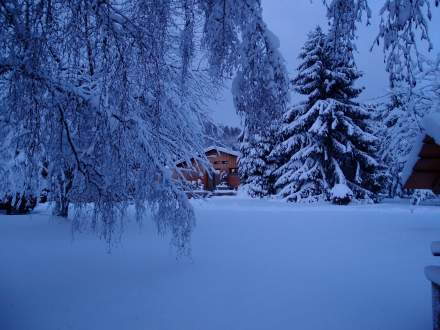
(227, 164)
(426, 172)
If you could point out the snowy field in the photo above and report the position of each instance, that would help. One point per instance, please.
(256, 265)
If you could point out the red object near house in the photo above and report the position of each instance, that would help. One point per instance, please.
(221, 171)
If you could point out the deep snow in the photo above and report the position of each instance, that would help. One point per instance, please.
(256, 265)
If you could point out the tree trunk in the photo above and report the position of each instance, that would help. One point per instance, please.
(62, 207)
(62, 202)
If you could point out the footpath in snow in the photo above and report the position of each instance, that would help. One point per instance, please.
(256, 265)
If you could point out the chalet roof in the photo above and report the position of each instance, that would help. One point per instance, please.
(422, 169)
(431, 124)
(211, 148)
(223, 150)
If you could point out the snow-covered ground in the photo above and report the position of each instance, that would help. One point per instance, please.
(256, 265)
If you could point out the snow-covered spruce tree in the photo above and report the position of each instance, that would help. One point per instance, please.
(302, 174)
(327, 138)
(260, 92)
(352, 148)
(256, 167)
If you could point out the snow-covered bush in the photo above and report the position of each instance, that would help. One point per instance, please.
(421, 195)
(341, 194)
(17, 203)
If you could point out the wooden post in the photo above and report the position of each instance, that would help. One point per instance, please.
(432, 273)
(435, 306)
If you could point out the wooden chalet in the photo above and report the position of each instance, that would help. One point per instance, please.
(222, 169)
(422, 170)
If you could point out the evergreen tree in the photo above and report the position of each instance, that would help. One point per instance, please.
(260, 92)
(310, 81)
(253, 169)
(327, 139)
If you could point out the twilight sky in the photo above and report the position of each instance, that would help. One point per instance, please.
(291, 20)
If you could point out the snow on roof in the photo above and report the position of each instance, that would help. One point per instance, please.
(432, 273)
(431, 124)
(221, 149)
(216, 148)
(431, 127)
(412, 159)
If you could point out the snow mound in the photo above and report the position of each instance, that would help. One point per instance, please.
(341, 194)
(341, 190)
